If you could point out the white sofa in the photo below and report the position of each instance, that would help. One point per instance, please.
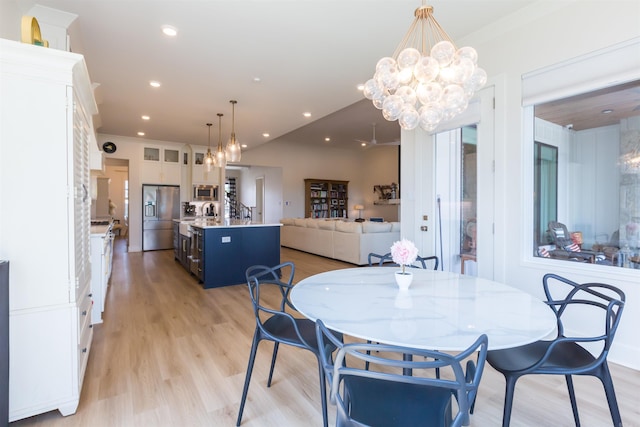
(342, 240)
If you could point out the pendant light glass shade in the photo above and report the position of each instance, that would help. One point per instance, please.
(208, 159)
(428, 80)
(220, 158)
(233, 150)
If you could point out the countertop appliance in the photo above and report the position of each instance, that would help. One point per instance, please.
(160, 205)
(205, 193)
(188, 209)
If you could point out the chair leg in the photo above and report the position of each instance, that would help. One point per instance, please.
(572, 397)
(273, 362)
(366, 364)
(468, 376)
(247, 378)
(510, 389)
(323, 393)
(607, 382)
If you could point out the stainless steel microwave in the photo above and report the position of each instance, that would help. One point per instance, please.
(205, 193)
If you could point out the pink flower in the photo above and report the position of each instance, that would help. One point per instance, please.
(404, 253)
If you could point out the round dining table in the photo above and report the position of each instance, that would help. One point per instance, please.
(440, 310)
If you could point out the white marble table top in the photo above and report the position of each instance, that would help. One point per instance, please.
(440, 311)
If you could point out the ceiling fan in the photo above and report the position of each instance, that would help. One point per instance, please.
(374, 141)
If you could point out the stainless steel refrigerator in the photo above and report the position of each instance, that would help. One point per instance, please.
(160, 205)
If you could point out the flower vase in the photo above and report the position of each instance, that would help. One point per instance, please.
(403, 279)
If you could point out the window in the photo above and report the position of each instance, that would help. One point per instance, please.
(587, 110)
(126, 201)
(469, 190)
(545, 190)
(587, 177)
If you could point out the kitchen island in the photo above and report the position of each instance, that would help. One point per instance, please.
(220, 253)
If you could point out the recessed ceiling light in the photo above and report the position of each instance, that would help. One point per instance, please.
(140, 133)
(607, 111)
(360, 86)
(327, 139)
(243, 145)
(257, 79)
(306, 114)
(266, 135)
(364, 144)
(145, 117)
(170, 31)
(154, 83)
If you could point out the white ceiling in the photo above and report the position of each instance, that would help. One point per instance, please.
(309, 55)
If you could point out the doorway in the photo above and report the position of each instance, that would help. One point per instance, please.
(257, 216)
(464, 190)
(117, 170)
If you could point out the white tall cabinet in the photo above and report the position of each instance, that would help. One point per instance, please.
(46, 109)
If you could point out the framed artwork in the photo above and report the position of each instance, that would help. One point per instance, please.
(199, 159)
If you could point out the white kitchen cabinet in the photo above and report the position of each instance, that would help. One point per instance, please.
(101, 263)
(46, 111)
(160, 165)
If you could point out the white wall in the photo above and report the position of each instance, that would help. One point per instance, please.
(299, 161)
(131, 149)
(10, 19)
(540, 36)
(272, 177)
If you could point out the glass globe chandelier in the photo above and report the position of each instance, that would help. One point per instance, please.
(233, 150)
(428, 79)
(208, 159)
(220, 159)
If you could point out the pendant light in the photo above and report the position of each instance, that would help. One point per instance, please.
(234, 152)
(220, 159)
(209, 160)
(428, 79)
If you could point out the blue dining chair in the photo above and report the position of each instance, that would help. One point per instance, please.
(383, 396)
(279, 326)
(568, 355)
(387, 261)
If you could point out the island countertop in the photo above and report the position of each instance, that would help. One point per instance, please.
(100, 230)
(207, 222)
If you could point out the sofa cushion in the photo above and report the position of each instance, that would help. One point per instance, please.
(395, 226)
(376, 227)
(287, 221)
(349, 227)
(312, 223)
(327, 225)
(300, 222)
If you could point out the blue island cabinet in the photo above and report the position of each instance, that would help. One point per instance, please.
(229, 251)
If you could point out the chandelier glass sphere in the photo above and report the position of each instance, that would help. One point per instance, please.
(428, 80)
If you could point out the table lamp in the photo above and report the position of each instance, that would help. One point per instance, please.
(359, 208)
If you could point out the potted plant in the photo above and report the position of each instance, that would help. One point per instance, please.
(404, 253)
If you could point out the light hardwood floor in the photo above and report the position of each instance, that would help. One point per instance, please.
(170, 353)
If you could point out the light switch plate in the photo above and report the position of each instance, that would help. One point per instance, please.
(226, 239)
